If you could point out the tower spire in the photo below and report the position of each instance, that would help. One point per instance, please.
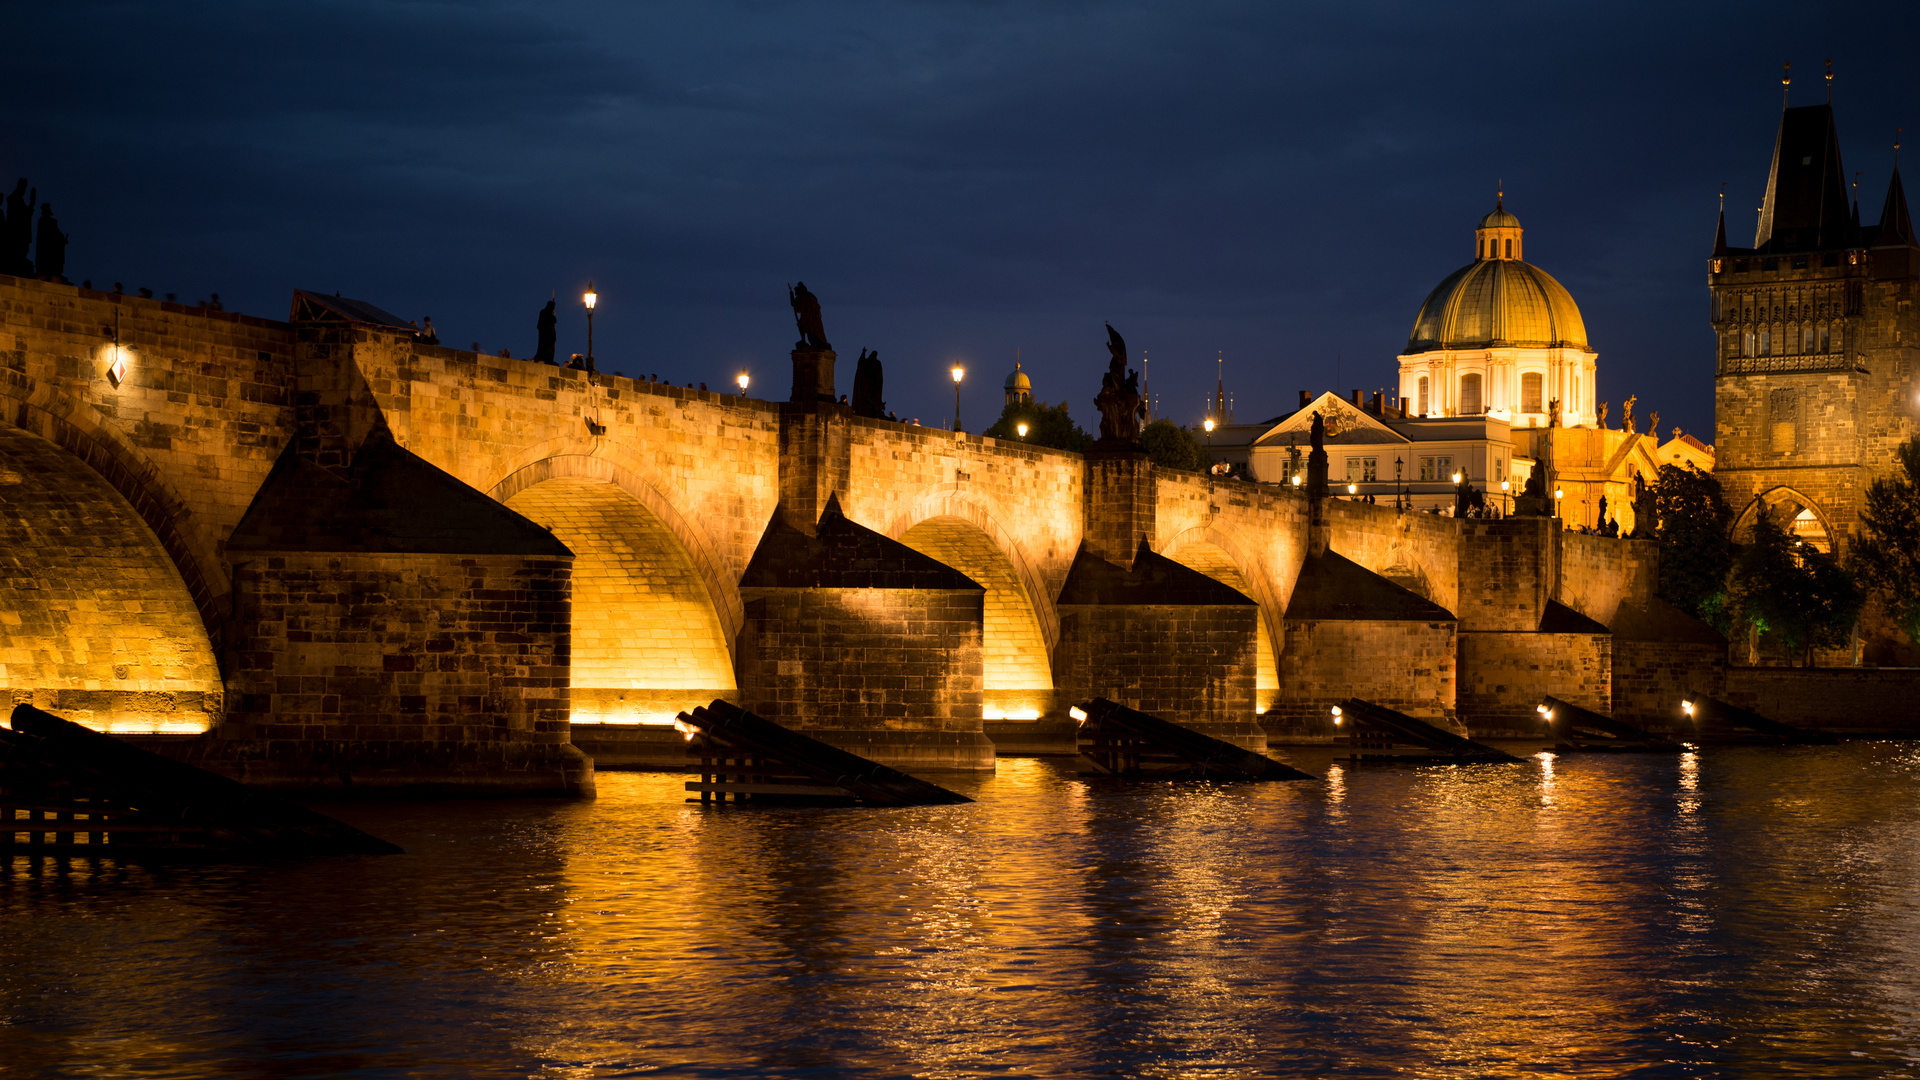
(1829, 80)
(1896, 225)
(1786, 82)
(1720, 230)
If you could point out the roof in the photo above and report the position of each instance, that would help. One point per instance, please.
(1153, 580)
(1558, 618)
(1498, 218)
(1660, 621)
(1806, 207)
(388, 501)
(1498, 302)
(1896, 225)
(1334, 588)
(1346, 425)
(319, 307)
(1018, 380)
(841, 554)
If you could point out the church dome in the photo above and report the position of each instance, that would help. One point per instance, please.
(1498, 218)
(1019, 381)
(1498, 302)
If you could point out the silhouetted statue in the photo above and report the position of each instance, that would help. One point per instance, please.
(50, 248)
(867, 380)
(1119, 399)
(1653, 425)
(17, 256)
(1602, 516)
(548, 321)
(1645, 517)
(1626, 414)
(1603, 414)
(806, 316)
(1317, 432)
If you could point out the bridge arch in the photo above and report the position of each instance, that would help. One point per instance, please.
(97, 622)
(1800, 515)
(654, 620)
(79, 428)
(1217, 554)
(1021, 628)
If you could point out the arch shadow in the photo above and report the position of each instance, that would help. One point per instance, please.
(1777, 495)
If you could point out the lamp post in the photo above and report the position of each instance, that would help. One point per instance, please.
(1558, 494)
(958, 374)
(1506, 498)
(590, 299)
(742, 380)
(1208, 424)
(1399, 488)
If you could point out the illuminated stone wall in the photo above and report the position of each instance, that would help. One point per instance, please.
(1191, 664)
(96, 624)
(1503, 676)
(398, 670)
(889, 674)
(1406, 666)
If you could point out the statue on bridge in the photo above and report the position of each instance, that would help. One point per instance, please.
(867, 380)
(50, 247)
(806, 315)
(543, 352)
(1121, 407)
(16, 255)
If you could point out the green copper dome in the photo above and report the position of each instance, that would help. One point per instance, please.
(1498, 218)
(1498, 302)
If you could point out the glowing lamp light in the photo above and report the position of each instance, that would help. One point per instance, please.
(117, 365)
(1208, 424)
(685, 729)
(1687, 707)
(1353, 489)
(1542, 710)
(1022, 429)
(1559, 494)
(1296, 479)
(1506, 485)
(959, 373)
(591, 298)
(1079, 714)
(743, 380)
(1456, 478)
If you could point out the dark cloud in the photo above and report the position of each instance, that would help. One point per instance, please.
(1282, 184)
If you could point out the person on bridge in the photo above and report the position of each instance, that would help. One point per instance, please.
(548, 321)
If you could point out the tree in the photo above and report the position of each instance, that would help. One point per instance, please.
(1174, 447)
(1047, 425)
(1886, 555)
(1692, 521)
(1791, 590)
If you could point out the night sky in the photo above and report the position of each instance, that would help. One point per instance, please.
(1278, 184)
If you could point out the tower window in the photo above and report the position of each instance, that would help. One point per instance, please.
(1469, 395)
(1826, 339)
(1766, 343)
(1530, 392)
(1509, 249)
(1806, 339)
(1746, 344)
(1422, 410)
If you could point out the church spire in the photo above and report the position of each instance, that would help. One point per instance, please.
(1806, 204)
(1896, 225)
(1720, 231)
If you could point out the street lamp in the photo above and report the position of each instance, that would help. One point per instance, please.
(590, 299)
(1506, 500)
(1208, 424)
(1558, 494)
(958, 374)
(1352, 489)
(742, 380)
(1021, 427)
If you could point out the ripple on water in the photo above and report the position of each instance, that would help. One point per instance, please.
(1732, 913)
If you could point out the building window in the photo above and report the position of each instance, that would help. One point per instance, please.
(1509, 249)
(1806, 339)
(1422, 410)
(1443, 468)
(1426, 468)
(1783, 417)
(1469, 393)
(1530, 396)
(1369, 469)
(1746, 344)
(1766, 343)
(1353, 469)
(1826, 339)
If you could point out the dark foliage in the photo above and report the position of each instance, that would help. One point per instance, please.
(1886, 555)
(1798, 597)
(1696, 551)
(1047, 425)
(1174, 447)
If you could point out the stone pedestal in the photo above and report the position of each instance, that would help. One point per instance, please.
(1120, 502)
(813, 375)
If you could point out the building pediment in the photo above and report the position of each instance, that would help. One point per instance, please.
(1346, 425)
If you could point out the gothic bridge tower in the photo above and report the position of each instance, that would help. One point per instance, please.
(1818, 342)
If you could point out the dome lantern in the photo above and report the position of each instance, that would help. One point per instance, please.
(1019, 388)
(1498, 234)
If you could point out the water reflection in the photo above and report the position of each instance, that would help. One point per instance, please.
(1727, 912)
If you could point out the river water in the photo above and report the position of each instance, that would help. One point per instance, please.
(1735, 913)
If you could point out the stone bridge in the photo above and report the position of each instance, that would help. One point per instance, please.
(310, 545)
